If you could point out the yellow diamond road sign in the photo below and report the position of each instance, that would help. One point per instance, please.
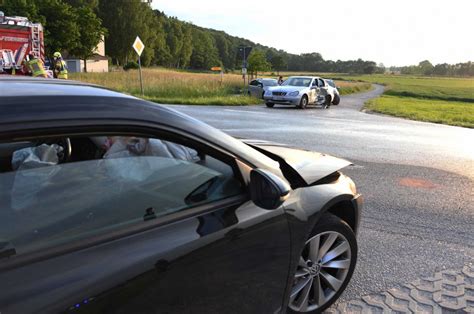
(138, 46)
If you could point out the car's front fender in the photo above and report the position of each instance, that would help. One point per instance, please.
(306, 206)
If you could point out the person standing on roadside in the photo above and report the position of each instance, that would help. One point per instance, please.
(60, 67)
(280, 80)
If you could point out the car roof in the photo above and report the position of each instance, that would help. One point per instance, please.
(304, 77)
(265, 79)
(15, 86)
(29, 103)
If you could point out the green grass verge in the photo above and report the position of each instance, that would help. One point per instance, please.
(189, 88)
(439, 88)
(438, 111)
(359, 88)
(231, 100)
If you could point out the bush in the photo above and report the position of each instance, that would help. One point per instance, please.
(130, 65)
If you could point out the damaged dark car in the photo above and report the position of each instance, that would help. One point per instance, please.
(113, 204)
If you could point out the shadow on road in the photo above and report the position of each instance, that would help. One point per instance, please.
(317, 107)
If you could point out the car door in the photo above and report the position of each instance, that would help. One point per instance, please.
(253, 88)
(323, 87)
(135, 224)
(313, 92)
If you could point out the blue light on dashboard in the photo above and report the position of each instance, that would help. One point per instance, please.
(78, 305)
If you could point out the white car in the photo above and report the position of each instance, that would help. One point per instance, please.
(300, 91)
(333, 90)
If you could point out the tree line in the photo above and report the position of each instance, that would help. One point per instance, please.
(442, 69)
(77, 26)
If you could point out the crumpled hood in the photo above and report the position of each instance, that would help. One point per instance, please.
(311, 166)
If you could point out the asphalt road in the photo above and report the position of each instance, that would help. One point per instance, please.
(417, 180)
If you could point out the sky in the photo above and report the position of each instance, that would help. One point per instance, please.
(395, 33)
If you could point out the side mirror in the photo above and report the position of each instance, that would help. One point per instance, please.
(267, 190)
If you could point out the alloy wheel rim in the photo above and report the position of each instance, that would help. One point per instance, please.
(322, 268)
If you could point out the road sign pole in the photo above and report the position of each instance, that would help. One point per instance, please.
(245, 85)
(139, 46)
(140, 71)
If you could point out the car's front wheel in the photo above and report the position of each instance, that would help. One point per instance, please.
(325, 266)
(303, 102)
(336, 100)
(270, 104)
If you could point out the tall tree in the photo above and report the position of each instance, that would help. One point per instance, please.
(91, 33)
(223, 46)
(161, 53)
(426, 67)
(174, 39)
(26, 8)
(124, 21)
(187, 47)
(257, 62)
(278, 63)
(205, 54)
(58, 19)
(93, 4)
(60, 27)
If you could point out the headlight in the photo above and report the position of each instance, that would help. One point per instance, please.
(295, 93)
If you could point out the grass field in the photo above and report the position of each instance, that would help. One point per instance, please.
(346, 87)
(179, 87)
(432, 99)
(429, 110)
(173, 87)
(441, 88)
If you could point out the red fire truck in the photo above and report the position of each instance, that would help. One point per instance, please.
(18, 38)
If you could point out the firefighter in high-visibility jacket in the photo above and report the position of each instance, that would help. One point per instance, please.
(60, 67)
(35, 66)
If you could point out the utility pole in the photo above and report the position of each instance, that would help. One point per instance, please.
(245, 51)
(244, 66)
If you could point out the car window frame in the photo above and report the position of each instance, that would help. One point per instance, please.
(269, 80)
(155, 132)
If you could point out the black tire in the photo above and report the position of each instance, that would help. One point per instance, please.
(269, 104)
(303, 102)
(336, 100)
(327, 225)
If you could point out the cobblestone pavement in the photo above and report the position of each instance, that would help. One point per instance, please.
(445, 292)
